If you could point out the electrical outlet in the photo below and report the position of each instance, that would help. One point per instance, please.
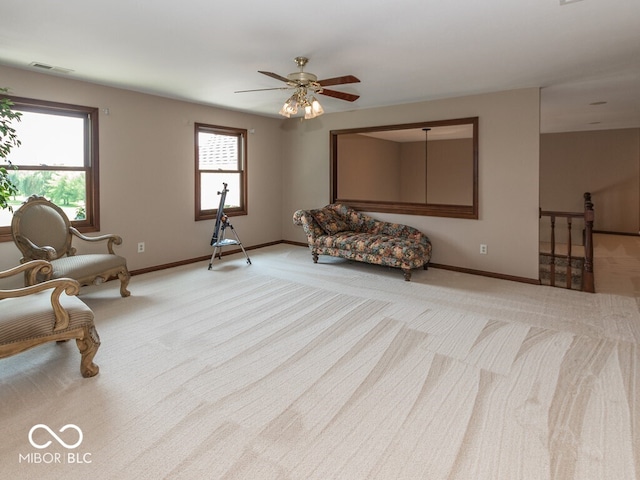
(483, 249)
(141, 247)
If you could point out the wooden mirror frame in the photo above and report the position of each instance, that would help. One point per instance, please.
(428, 209)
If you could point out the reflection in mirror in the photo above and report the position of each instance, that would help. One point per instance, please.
(426, 168)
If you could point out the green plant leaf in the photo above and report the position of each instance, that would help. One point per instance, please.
(8, 141)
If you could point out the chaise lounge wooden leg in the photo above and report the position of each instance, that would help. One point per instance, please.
(124, 277)
(88, 345)
(315, 257)
(407, 274)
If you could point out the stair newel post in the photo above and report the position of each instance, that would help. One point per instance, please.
(552, 266)
(589, 215)
(569, 267)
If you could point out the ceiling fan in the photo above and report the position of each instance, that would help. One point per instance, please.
(306, 84)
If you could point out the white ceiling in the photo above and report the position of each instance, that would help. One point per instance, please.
(403, 51)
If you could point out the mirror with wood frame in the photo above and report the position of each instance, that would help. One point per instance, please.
(427, 168)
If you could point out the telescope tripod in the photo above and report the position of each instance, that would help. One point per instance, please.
(218, 239)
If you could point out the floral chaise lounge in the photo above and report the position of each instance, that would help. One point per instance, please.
(340, 231)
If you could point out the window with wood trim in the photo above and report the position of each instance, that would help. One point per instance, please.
(57, 159)
(221, 157)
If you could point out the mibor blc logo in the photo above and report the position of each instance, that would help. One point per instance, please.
(69, 436)
(56, 437)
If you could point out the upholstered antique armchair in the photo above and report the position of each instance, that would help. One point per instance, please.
(42, 231)
(40, 313)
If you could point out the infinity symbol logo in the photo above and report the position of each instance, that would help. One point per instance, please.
(58, 439)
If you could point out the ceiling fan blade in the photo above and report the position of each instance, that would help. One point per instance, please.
(275, 75)
(339, 80)
(341, 95)
(261, 89)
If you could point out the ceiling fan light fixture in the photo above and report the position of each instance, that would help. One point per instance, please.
(284, 113)
(308, 112)
(290, 107)
(317, 108)
(306, 85)
(301, 99)
(313, 109)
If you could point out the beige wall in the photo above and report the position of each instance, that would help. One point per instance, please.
(147, 169)
(412, 172)
(450, 172)
(509, 137)
(368, 169)
(449, 176)
(605, 163)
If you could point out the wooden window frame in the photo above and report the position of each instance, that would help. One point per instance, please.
(241, 134)
(91, 166)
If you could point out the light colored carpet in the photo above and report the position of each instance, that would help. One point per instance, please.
(616, 264)
(289, 370)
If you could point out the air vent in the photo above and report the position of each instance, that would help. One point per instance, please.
(566, 2)
(41, 65)
(51, 68)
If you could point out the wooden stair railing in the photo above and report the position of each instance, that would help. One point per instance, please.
(589, 216)
(588, 284)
